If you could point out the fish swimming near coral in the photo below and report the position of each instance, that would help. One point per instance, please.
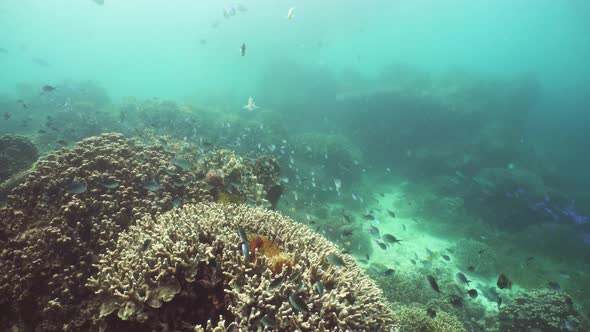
(76, 187)
(390, 239)
(462, 278)
(150, 184)
(433, 284)
(335, 260)
(251, 105)
(472, 293)
(297, 303)
(242, 234)
(503, 282)
(268, 322)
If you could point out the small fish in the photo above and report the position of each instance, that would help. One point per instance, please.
(381, 244)
(462, 278)
(297, 303)
(553, 285)
(291, 13)
(48, 88)
(245, 251)
(41, 62)
(431, 312)
(337, 185)
(472, 293)
(242, 234)
(391, 213)
(110, 184)
(268, 322)
(181, 163)
(146, 244)
(388, 272)
(369, 217)
(276, 283)
(319, 286)
(176, 202)
(390, 239)
(471, 268)
(456, 300)
(335, 260)
(499, 302)
(243, 49)
(76, 187)
(446, 257)
(7, 116)
(503, 282)
(150, 185)
(433, 284)
(373, 230)
(251, 105)
(41, 131)
(99, 2)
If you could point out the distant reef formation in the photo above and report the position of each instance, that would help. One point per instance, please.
(72, 206)
(17, 153)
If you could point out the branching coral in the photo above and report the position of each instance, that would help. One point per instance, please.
(416, 318)
(195, 254)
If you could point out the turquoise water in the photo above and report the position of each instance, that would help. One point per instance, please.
(465, 119)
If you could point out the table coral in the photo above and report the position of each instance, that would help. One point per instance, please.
(194, 276)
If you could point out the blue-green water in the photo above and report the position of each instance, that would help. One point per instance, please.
(465, 119)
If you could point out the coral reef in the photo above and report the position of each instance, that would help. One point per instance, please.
(416, 318)
(543, 310)
(17, 153)
(188, 270)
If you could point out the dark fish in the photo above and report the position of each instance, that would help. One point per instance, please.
(413, 261)
(462, 278)
(41, 131)
(276, 283)
(347, 232)
(404, 226)
(41, 62)
(181, 163)
(390, 238)
(335, 260)
(503, 282)
(150, 185)
(245, 251)
(243, 49)
(373, 230)
(76, 187)
(319, 287)
(553, 285)
(381, 244)
(347, 218)
(382, 194)
(203, 41)
(499, 302)
(7, 116)
(433, 283)
(23, 104)
(146, 244)
(456, 300)
(176, 202)
(471, 268)
(391, 213)
(388, 272)
(431, 312)
(110, 184)
(48, 88)
(242, 234)
(369, 217)
(446, 257)
(297, 303)
(268, 322)
(472, 293)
